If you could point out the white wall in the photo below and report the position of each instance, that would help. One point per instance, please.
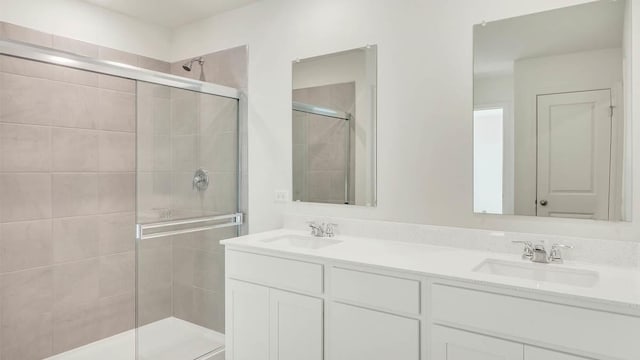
(424, 111)
(82, 21)
(591, 70)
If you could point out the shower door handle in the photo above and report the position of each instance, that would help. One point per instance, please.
(180, 227)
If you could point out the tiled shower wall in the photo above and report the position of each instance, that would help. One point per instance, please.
(227, 67)
(178, 132)
(319, 145)
(67, 165)
(67, 199)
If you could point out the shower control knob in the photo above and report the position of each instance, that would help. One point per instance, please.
(200, 180)
(543, 202)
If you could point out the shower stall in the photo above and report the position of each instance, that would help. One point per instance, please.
(116, 186)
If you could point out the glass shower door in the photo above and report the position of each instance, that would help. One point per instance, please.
(187, 201)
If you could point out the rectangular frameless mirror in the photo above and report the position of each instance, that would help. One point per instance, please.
(551, 113)
(334, 128)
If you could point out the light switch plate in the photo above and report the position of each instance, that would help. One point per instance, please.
(282, 196)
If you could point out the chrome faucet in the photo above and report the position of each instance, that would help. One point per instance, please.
(555, 256)
(527, 253)
(322, 229)
(538, 253)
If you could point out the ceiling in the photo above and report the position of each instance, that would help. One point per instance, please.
(170, 13)
(592, 26)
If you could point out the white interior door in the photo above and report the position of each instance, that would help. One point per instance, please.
(574, 154)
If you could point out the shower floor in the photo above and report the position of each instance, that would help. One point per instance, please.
(167, 339)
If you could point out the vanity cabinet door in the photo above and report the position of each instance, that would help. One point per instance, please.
(356, 333)
(296, 326)
(531, 353)
(450, 344)
(247, 321)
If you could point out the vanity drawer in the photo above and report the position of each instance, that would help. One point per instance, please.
(593, 332)
(381, 291)
(275, 272)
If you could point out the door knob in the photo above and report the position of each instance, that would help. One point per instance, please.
(543, 202)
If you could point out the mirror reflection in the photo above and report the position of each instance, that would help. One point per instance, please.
(333, 120)
(551, 135)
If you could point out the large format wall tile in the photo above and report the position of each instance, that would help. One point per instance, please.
(115, 274)
(76, 325)
(75, 194)
(25, 196)
(27, 100)
(25, 245)
(42, 70)
(27, 314)
(116, 233)
(27, 35)
(75, 150)
(75, 238)
(117, 192)
(117, 111)
(116, 83)
(117, 151)
(76, 283)
(25, 148)
(75, 46)
(117, 314)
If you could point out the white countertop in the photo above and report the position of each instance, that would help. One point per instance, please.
(616, 286)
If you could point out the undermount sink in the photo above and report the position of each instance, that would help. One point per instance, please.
(304, 242)
(539, 272)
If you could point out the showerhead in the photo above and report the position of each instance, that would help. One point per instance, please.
(189, 65)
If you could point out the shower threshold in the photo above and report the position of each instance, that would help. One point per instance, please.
(166, 339)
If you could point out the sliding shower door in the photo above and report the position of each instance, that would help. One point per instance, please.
(187, 201)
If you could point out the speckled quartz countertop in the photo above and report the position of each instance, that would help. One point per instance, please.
(615, 286)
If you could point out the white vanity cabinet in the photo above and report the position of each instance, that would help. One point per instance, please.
(264, 320)
(299, 307)
(247, 321)
(531, 353)
(271, 324)
(373, 316)
(359, 333)
(295, 326)
(573, 330)
(276, 311)
(452, 344)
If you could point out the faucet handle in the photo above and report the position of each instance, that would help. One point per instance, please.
(330, 229)
(563, 246)
(316, 229)
(555, 256)
(528, 249)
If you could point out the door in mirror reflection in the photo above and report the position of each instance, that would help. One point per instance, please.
(552, 113)
(333, 127)
(574, 154)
